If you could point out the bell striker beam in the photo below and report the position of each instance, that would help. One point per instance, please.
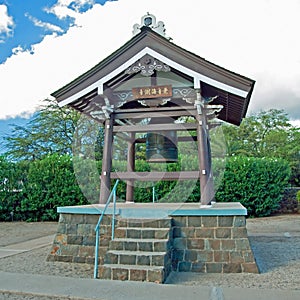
(107, 160)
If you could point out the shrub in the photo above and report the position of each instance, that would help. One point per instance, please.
(51, 183)
(12, 177)
(88, 177)
(258, 183)
(34, 191)
(298, 196)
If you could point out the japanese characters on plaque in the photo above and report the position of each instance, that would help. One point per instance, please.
(150, 92)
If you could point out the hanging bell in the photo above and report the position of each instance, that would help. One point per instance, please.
(161, 146)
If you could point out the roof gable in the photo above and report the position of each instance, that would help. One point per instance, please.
(210, 78)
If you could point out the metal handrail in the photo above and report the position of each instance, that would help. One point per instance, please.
(97, 228)
(154, 195)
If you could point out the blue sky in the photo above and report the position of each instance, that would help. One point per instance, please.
(26, 23)
(30, 21)
(44, 44)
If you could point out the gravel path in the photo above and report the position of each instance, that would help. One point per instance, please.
(17, 232)
(275, 242)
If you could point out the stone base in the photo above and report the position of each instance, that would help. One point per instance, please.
(212, 244)
(75, 238)
(209, 240)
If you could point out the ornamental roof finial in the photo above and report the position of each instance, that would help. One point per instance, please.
(149, 20)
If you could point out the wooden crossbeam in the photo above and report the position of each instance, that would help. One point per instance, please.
(156, 127)
(156, 176)
(179, 138)
(154, 114)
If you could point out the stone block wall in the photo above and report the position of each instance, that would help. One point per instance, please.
(76, 237)
(209, 244)
(212, 244)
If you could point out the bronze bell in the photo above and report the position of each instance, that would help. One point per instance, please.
(161, 146)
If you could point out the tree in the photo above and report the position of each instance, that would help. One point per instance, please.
(88, 139)
(266, 134)
(50, 130)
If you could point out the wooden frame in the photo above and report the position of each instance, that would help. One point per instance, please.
(98, 93)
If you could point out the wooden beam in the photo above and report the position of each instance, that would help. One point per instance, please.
(156, 176)
(153, 114)
(179, 139)
(156, 127)
(187, 138)
(156, 109)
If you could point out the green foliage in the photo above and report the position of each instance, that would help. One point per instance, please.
(258, 183)
(34, 191)
(267, 134)
(12, 177)
(298, 196)
(88, 139)
(45, 175)
(165, 191)
(51, 183)
(50, 130)
(87, 176)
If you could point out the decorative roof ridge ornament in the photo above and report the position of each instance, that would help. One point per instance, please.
(149, 20)
(147, 65)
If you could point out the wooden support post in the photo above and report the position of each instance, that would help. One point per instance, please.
(210, 179)
(106, 161)
(204, 154)
(130, 168)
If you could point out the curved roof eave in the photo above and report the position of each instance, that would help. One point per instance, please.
(194, 61)
(149, 42)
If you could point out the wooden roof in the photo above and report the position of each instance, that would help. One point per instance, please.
(92, 90)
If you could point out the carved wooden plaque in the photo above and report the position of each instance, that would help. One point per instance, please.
(151, 92)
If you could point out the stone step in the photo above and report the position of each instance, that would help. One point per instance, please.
(140, 258)
(145, 223)
(155, 274)
(140, 251)
(142, 233)
(150, 245)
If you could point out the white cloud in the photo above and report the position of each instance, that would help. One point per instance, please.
(256, 39)
(45, 25)
(295, 123)
(62, 12)
(6, 21)
(78, 4)
(68, 8)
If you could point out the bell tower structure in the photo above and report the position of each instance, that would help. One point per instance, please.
(146, 86)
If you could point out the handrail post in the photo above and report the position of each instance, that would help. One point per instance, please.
(96, 254)
(97, 228)
(114, 214)
(153, 194)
